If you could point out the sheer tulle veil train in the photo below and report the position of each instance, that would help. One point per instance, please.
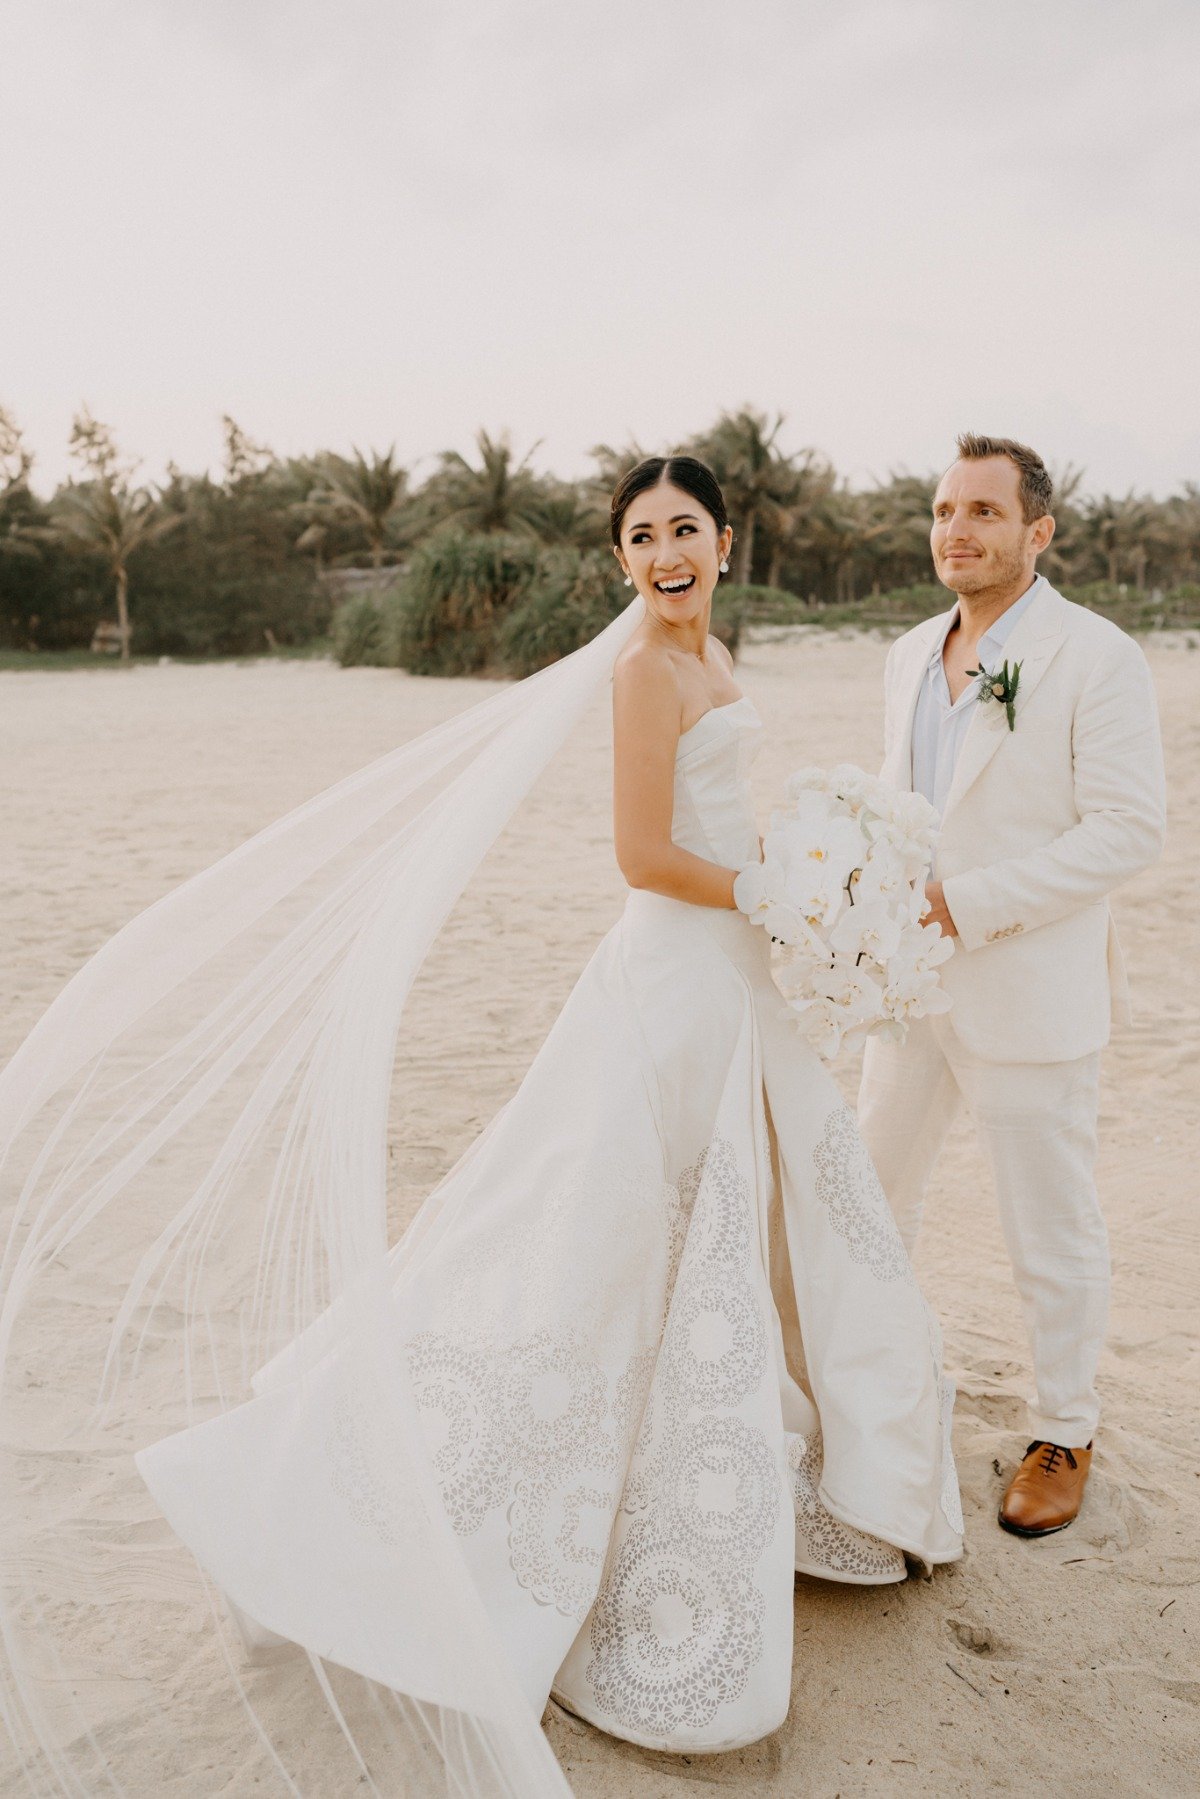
(652, 1347)
(195, 1132)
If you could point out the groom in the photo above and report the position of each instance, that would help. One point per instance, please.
(1030, 724)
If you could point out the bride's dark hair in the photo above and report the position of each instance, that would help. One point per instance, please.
(687, 472)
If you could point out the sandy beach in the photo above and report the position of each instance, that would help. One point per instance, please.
(1068, 1665)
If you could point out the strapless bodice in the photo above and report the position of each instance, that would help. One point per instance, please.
(714, 811)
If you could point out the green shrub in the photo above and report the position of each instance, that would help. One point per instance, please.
(574, 595)
(749, 594)
(577, 593)
(360, 635)
(919, 601)
(1146, 609)
(229, 580)
(756, 605)
(456, 593)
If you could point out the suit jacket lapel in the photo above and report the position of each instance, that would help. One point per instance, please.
(1035, 639)
(899, 771)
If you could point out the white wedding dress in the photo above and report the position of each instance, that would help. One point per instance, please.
(664, 1342)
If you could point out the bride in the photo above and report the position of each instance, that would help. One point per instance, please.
(650, 1349)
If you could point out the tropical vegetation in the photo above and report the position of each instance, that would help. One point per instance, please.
(487, 563)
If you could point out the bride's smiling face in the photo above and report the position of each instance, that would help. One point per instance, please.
(672, 548)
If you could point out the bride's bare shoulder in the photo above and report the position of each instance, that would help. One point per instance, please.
(644, 674)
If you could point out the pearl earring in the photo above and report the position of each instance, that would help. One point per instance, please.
(629, 580)
(725, 566)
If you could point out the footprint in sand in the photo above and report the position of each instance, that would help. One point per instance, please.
(981, 1639)
(997, 1410)
(991, 1390)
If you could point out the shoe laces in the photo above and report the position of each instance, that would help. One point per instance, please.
(1048, 1460)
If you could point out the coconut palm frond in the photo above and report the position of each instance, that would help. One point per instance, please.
(106, 518)
(367, 493)
(499, 494)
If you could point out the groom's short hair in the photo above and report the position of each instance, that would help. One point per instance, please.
(1036, 489)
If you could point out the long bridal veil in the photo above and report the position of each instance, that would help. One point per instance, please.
(194, 1146)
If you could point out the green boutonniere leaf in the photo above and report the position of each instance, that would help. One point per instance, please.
(999, 684)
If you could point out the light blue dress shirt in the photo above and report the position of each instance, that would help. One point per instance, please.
(939, 728)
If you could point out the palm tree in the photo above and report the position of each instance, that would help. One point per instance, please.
(572, 513)
(1071, 549)
(845, 525)
(16, 501)
(105, 515)
(353, 490)
(801, 484)
(1119, 529)
(112, 522)
(612, 464)
(15, 460)
(1181, 530)
(498, 495)
(903, 507)
(243, 457)
(741, 449)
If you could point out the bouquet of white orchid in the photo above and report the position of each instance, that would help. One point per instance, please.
(841, 891)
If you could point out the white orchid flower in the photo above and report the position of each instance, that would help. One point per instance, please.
(809, 816)
(820, 1023)
(883, 879)
(840, 890)
(914, 993)
(912, 814)
(870, 929)
(758, 886)
(910, 830)
(816, 890)
(874, 800)
(851, 988)
(922, 947)
(852, 785)
(816, 856)
(918, 905)
(835, 843)
(794, 971)
(806, 780)
(789, 926)
(760, 891)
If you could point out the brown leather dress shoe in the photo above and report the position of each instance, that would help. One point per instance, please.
(1046, 1492)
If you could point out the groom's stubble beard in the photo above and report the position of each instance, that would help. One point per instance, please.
(996, 572)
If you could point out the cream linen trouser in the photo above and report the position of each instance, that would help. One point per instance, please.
(1036, 1122)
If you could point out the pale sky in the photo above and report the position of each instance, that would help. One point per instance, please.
(376, 221)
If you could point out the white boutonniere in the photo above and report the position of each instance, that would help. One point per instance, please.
(1000, 685)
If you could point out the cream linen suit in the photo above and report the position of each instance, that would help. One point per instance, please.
(1039, 825)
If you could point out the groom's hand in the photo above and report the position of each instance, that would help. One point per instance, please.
(939, 912)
